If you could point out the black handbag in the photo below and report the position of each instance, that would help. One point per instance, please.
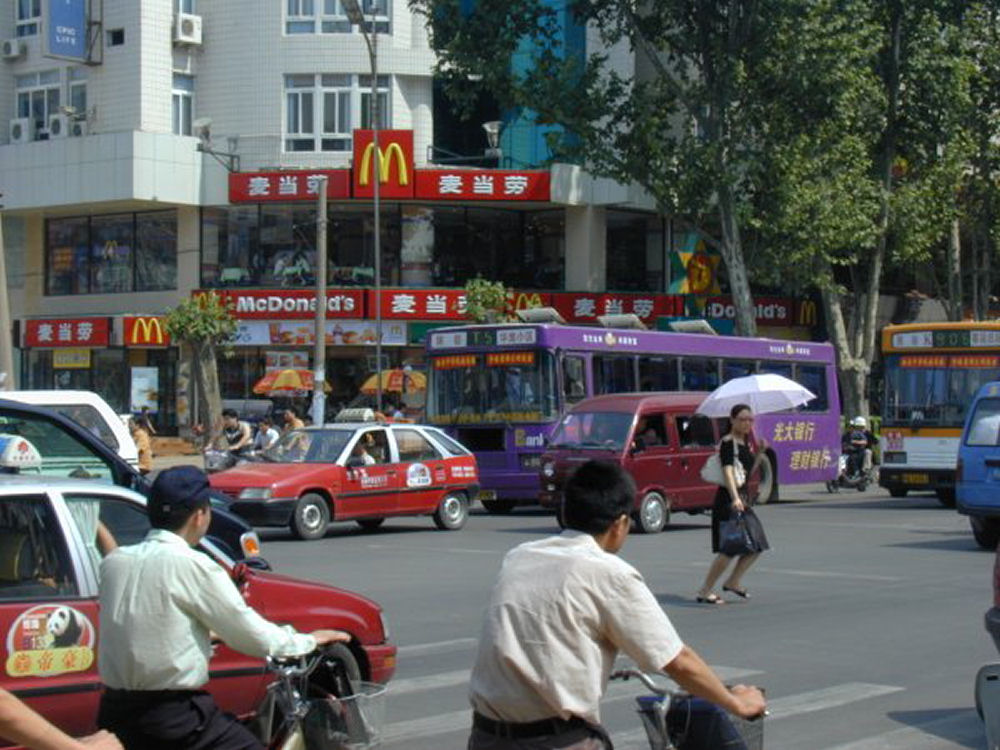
(734, 536)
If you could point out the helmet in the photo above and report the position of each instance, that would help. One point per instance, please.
(859, 422)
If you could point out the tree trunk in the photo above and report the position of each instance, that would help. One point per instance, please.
(955, 309)
(985, 278)
(208, 380)
(852, 369)
(732, 254)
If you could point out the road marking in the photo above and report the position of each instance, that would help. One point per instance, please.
(958, 732)
(453, 721)
(816, 573)
(793, 705)
(430, 682)
(438, 647)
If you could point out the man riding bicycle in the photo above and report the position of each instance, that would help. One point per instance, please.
(560, 612)
(857, 443)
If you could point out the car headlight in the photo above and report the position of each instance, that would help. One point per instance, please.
(255, 493)
(549, 469)
(385, 625)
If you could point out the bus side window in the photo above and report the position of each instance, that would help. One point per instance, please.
(736, 368)
(777, 368)
(699, 374)
(657, 373)
(614, 374)
(574, 384)
(814, 378)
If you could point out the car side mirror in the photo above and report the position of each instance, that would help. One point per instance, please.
(638, 446)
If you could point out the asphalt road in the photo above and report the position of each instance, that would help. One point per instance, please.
(864, 626)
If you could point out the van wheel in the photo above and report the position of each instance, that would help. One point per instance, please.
(452, 512)
(311, 517)
(767, 489)
(946, 497)
(986, 531)
(653, 514)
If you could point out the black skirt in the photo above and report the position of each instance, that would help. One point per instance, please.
(722, 509)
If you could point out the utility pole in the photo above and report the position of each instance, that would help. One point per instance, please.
(319, 352)
(6, 341)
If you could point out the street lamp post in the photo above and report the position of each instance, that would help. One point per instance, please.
(356, 16)
(319, 351)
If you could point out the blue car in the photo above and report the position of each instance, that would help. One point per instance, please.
(977, 480)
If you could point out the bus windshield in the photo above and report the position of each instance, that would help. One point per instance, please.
(597, 429)
(930, 395)
(493, 387)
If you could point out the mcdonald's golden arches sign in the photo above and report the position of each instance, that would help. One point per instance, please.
(146, 330)
(393, 168)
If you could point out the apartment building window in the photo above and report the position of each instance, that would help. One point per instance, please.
(29, 16)
(111, 253)
(185, 6)
(322, 110)
(78, 90)
(38, 96)
(329, 16)
(182, 103)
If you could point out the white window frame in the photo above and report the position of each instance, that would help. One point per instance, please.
(76, 91)
(185, 6)
(296, 132)
(329, 17)
(182, 104)
(43, 88)
(28, 25)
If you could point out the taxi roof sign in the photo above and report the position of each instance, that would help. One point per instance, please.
(355, 415)
(17, 453)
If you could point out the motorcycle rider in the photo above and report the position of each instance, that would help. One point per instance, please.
(857, 443)
(236, 435)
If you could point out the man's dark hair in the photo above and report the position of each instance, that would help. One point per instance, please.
(230, 413)
(173, 517)
(175, 496)
(596, 495)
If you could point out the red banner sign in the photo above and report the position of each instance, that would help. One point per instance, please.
(394, 164)
(482, 185)
(420, 304)
(146, 330)
(259, 187)
(455, 361)
(923, 361)
(584, 307)
(73, 332)
(292, 304)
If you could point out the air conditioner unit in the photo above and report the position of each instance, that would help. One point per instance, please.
(59, 125)
(12, 49)
(187, 29)
(22, 130)
(78, 128)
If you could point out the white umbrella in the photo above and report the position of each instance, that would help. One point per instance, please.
(763, 393)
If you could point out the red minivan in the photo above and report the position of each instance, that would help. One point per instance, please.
(656, 437)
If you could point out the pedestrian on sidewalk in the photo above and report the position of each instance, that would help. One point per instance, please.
(143, 445)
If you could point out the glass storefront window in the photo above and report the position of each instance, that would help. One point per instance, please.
(68, 250)
(155, 251)
(544, 250)
(106, 376)
(229, 254)
(287, 249)
(635, 252)
(111, 255)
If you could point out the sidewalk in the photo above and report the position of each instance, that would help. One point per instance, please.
(172, 451)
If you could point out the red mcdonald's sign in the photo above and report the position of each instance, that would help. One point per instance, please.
(394, 164)
(146, 330)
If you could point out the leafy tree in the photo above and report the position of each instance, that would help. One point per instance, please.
(204, 323)
(485, 301)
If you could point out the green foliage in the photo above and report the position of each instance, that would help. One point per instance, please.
(485, 301)
(205, 319)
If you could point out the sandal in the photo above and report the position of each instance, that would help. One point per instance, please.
(710, 599)
(742, 593)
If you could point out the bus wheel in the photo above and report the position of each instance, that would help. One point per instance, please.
(898, 491)
(767, 490)
(499, 507)
(946, 497)
(653, 513)
(986, 531)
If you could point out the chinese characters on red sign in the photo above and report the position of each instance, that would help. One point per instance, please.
(484, 185)
(584, 308)
(258, 187)
(78, 332)
(420, 304)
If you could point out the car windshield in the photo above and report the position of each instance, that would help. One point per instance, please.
(309, 446)
(593, 429)
(62, 454)
(984, 426)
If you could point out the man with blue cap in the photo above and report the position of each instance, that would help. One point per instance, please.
(160, 602)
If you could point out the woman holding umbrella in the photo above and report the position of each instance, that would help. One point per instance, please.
(734, 497)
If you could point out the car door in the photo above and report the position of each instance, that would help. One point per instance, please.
(695, 435)
(649, 458)
(425, 481)
(979, 454)
(48, 612)
(370, 491)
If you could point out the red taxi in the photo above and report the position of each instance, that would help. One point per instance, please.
(363, 472)
(49, 619)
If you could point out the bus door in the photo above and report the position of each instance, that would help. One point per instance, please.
(573, 378)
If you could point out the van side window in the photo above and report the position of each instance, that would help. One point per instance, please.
(984, 427)
(695, 431)
(652, 430)
(574, 388)
(34, 560)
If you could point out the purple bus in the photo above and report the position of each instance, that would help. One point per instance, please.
(500, 390)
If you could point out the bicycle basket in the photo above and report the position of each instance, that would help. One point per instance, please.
(653, 712)
(696, 723)
(350, 723)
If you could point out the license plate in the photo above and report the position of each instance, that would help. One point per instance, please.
(916, 479)
(487, 494)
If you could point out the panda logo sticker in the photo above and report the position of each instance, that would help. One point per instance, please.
(418, 475)
(50, 639)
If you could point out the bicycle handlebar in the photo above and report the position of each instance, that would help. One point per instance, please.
(647, 680)
(302, 665)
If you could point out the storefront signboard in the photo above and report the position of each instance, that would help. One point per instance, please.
(286, 361)
(291, 304)
(582, 307)
(770, 311)
(482, 185)
(394, 165)
(420, 304)
(71, 359)
(299, 185)
(67, 332)
(145, 330)
(338, 333)
(66, 26)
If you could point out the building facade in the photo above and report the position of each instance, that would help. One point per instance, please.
(128, 182)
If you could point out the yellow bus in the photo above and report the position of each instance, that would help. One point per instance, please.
(932, 371)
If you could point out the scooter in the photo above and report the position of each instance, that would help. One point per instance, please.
(220, 460)
(852, 473)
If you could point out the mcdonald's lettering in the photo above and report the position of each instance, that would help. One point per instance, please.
(145, 332)
(384, 164)
(807, 313)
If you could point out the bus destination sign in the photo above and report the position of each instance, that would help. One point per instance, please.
(947, 339)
